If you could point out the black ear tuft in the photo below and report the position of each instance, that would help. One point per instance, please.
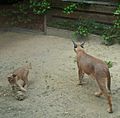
(8, 78)
(75, 45)
(82, 44)
(14, 75)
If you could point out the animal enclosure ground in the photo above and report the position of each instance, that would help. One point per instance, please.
(53, 90)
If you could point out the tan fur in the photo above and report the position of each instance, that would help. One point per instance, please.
(19, 78)
(95, 68)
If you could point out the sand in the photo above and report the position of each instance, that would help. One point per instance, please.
(53, 90)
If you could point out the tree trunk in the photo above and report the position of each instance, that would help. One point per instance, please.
(45, 25)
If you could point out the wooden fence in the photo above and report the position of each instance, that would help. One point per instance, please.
(98, 11)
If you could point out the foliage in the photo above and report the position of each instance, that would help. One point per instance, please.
(92, 26)
(84, 27)
(110, 34)
(73, 6)
(109, 63)
(82, 31)
(70, 9)
(113, 34)
(117, 12)
(117, 21)
(21, 8)
(22, 12)
(107, 40)
(39, 8)
(62, 24)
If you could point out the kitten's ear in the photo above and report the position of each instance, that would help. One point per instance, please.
(10, 75)
(14, 75)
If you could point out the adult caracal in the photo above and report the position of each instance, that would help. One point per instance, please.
(95, 68)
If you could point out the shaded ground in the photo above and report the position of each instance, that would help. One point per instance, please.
(53, 92)
(18, 15)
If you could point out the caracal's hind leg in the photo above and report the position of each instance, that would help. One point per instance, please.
(106, 93)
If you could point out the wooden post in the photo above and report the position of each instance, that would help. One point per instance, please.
(45, 25)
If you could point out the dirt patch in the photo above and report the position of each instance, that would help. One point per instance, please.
(53, 92)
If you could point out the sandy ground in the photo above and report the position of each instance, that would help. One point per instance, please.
(53, 90)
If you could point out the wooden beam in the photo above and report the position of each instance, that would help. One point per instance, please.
(92, 16)
(92, 2)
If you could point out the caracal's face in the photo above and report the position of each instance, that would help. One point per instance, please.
(11, 79)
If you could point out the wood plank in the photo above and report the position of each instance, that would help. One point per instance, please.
(100, 13)
(98, 9)
(76, 15)
(92, 8)
(93, 2)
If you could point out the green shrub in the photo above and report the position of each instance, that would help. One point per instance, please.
(81, 31)
(70, 9)
(109, 63)
(112, 35)
(39, 8)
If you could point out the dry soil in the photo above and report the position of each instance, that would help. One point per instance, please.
(53, 90)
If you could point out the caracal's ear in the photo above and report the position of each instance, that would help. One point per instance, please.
(74, 44)
(14, 75)
(82, 44)
(11, 76)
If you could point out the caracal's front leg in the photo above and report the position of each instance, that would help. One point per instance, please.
(20, 84)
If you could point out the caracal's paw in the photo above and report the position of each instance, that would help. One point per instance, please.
(109, 110)
(98, 94)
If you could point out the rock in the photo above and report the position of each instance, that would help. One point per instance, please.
(20, 95)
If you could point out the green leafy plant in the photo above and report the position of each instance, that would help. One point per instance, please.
(117, 14)
(108, 38)
(109, 63)
(117, 11)
(112, 35)
(70, 9)
(81, 32)
(39, 8)
(92, 26)
(117, 23)
(21, 8)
